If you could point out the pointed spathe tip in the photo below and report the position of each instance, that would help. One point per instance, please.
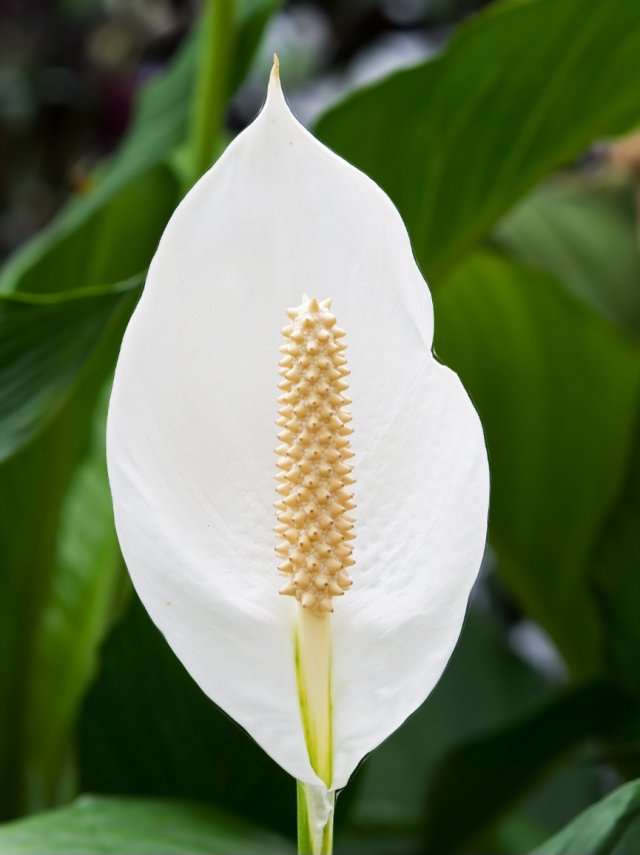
(274, 79)
(275, 103)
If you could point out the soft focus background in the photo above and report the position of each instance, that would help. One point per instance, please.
(504, 134)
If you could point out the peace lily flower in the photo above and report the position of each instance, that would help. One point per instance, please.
(317, 678)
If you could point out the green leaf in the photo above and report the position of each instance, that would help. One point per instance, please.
(58, 549)
(97, 240)
(94, 826)
(65, 289)
(58, 587)
(57, 351)
(522, 88)
(538, 741)
(567, 788)
(84, 590)
(56, 552)
(147, 729)
(586, 237)
(610, 827)
(64, 292)
(557, 390)
(46, 343)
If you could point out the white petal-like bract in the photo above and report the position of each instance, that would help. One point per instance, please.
(191, 441)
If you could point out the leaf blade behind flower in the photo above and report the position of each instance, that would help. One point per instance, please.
(45, 345)
(557, 390)
(111, 826)
(478, 125)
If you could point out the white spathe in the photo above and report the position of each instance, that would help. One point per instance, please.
(191, 441)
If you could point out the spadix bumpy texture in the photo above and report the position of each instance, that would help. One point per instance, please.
(191, 445)
(315, 473)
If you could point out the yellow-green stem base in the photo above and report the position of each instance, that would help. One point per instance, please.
(315, 819)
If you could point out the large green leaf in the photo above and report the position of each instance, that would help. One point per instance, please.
(147, 729)
(610, 827)
(84, 589)
(36, 554)
(557, 390)
(586, 237)
(58, 547)
(512, 758)
(58, 351)
(522, 88)
(46, 343)
(64, 293)
(94, 826)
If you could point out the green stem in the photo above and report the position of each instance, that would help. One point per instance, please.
(212, 83)
(313, 672)
(315, 819)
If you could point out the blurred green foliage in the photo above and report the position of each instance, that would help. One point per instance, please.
(532, 256)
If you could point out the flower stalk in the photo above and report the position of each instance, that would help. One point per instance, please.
(315, 819)
(313, 669)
